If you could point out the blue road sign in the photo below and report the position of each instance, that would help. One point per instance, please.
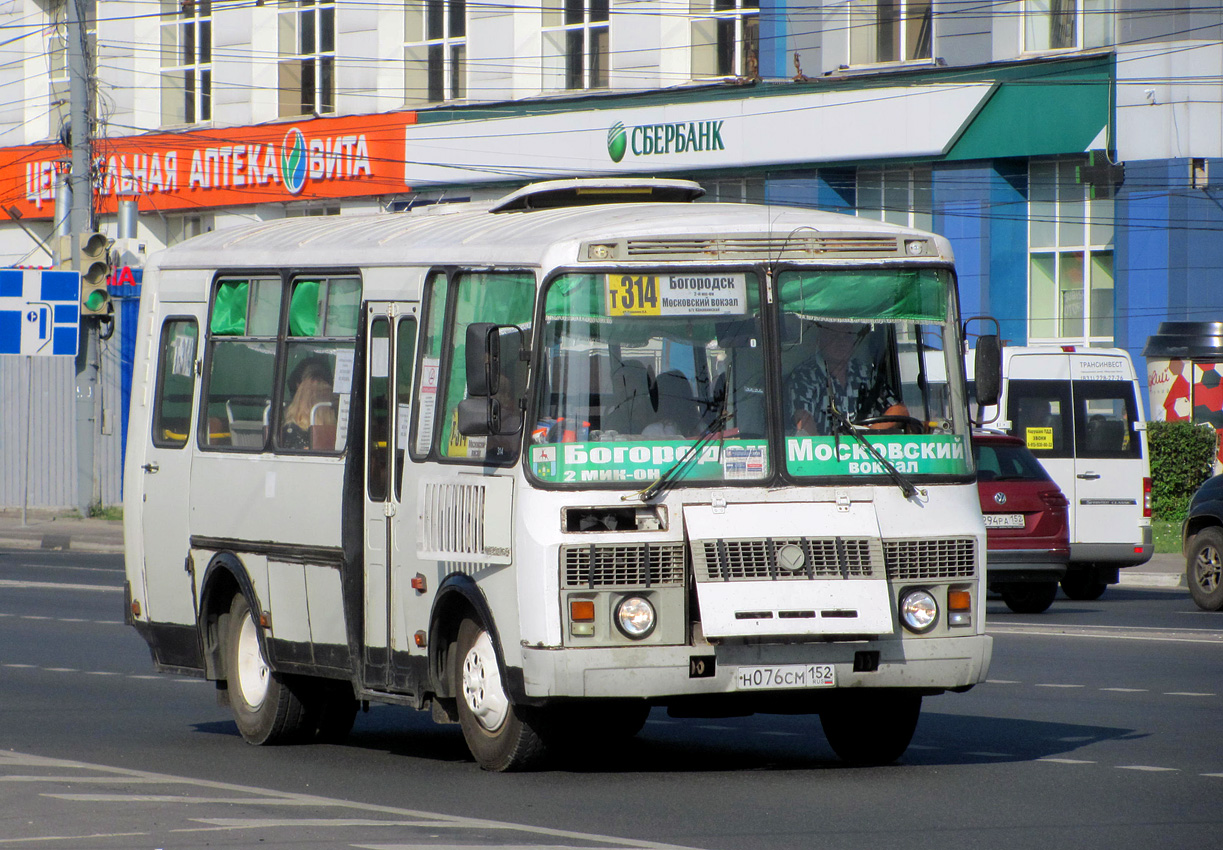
(40, 312)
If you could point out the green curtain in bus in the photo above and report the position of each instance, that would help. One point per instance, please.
(229, 309)
(917, 295)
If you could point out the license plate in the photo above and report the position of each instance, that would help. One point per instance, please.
(1004, 520)
(786, 676)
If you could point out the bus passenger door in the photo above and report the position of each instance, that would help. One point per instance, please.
(391, 340)
(165, 470)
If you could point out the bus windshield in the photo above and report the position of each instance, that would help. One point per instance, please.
(638, 367)
(869, 354)
(644, 371)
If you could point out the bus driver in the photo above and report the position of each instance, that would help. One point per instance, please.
(842, 373)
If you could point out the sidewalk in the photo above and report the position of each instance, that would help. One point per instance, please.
(56, 530)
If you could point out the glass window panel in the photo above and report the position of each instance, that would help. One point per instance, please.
(1102, 302)
(458, 71)
(236, 411)
(436, 294)
(1105, 413)
(1042, 296)
(598, 57)
(176, 387)
(887, 30)
(413, 20)
(1043, 407)
(405, 361)
(318, 386)
(1036, 24)
(704, 48)
(378, 447)
(573, 59)
(437, 73)
(415, 74)
(458, 18)
(919, 16)
(435, 21)
(173, 98)
(1070, 290)
(326, 25)
(1101, 210)
(552, 13)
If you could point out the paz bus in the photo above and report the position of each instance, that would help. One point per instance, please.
(533, 464)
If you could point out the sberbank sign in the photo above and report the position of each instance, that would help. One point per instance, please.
(655, 139)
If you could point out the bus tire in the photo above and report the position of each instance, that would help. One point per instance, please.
(869, 728)
(1204, 569)
(265, 708)
(500, 735)
(1029, 597)
(1083, 585)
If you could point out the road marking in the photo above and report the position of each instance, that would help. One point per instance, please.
(55, 585)
(1148, 768)
(989, 755)
(1176, 635)
(1056, 685)
(1065, 761)
(1127, 690)
(226, 793)
(1186, 694)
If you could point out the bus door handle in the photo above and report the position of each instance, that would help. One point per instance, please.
(150, 467)
(1088, 476)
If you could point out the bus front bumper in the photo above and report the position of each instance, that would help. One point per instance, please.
(657, 672)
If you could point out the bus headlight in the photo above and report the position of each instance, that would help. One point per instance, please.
(635, 617)
(918, 611)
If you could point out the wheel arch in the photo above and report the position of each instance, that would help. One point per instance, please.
(224, 577)
(458, 597)
(1197, 523)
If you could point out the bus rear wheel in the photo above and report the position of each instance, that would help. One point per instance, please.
(266, 710)
(500, 735)
(868, 728)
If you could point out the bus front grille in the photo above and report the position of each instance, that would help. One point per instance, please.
(756, 560)
(622, 565)
(926, 560)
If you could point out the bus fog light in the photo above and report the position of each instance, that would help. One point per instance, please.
(918, 611)
(635, 617)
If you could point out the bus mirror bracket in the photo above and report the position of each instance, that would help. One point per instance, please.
(483, 359)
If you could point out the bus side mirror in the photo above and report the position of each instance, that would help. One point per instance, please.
(987, 367)
(483, 359)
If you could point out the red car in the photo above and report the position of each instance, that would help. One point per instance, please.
(1027, 525)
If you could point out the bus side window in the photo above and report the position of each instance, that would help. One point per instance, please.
(405, 362)
(242, 332)
(175, 384)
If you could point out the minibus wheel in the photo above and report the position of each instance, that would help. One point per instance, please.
(1083, 585)
(265, 708)
(1029, 597)
(868, 728)
(499, 734)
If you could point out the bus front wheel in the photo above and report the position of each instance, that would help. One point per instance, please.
(868, 728)
(265, 708)
(499, 734)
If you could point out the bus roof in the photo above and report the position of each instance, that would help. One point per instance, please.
(474, 234)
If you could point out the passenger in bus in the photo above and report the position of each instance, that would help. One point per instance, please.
(310, 406)
(846, 372)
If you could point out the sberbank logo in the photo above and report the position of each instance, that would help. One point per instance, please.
(656, 139)
(293, 161)
(617, 141)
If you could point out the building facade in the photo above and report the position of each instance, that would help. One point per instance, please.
(1072, 150)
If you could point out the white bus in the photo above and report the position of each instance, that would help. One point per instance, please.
(540, 465)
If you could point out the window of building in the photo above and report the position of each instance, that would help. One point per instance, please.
(180, 228)
(725, 38)
(57, 52)
(435, 51)
(1066, 24)
(1070, 263)
(186, 61)
(734, 190)
(890, 31)
(306, 36)
(576, 39)
(896, 195)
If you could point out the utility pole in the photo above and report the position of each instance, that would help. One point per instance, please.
(80, 186)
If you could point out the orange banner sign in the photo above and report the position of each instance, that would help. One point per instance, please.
(269, 163)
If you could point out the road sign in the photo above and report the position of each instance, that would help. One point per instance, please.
(39, 311)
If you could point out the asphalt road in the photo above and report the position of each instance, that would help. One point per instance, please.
(1098, 728)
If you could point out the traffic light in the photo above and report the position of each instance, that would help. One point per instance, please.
(95, 266)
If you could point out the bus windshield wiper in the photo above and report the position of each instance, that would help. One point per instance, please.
(844, 425)
(671, 474)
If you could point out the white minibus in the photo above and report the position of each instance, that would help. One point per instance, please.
(1080, 412)
(544, 464)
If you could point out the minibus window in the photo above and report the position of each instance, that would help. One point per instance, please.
(1104, 419)
(176, 384)
(1041, 416)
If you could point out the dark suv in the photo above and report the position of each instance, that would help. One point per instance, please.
(1027, 528)
(1202, 534)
